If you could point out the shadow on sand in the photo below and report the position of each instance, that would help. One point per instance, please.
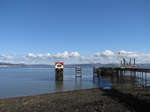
(133, 103)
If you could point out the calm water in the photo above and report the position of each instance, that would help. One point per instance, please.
(16, 82)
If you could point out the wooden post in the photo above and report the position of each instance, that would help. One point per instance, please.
(78, 72)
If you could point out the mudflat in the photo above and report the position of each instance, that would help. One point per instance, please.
(87, 100)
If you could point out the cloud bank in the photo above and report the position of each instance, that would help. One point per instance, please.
(75, 58)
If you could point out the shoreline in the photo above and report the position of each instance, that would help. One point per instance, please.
(47, 93)
(85, 100)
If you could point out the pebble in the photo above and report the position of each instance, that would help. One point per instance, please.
(88, 100)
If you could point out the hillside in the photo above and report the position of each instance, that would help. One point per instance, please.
(66, 65)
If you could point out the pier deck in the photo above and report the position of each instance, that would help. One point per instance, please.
(139, 69)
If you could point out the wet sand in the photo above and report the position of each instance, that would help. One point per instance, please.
(88, 100)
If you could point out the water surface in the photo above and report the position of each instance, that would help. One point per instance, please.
(25, 81)
(22, 81)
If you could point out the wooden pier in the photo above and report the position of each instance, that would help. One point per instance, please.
(137, 76)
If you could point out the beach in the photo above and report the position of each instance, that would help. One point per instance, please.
(86, 100)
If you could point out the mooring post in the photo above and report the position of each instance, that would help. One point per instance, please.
(59, 66)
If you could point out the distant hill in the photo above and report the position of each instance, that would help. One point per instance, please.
(145, 64)
(66, 65)
(23, 65)
(90, 65)
(11, 65)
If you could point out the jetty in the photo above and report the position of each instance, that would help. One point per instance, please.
(134, 75)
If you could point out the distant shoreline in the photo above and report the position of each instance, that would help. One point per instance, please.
(25, 66)
(66, 65)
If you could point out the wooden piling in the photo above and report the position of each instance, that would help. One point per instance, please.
(78, 72)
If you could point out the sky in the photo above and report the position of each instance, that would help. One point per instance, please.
(74, 31)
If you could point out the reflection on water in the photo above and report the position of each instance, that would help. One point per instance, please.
(16, 82)
(58, 86)
(78, 82)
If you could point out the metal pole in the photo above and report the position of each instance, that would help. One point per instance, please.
(134, 61)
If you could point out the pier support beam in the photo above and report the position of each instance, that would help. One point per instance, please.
(59, 74)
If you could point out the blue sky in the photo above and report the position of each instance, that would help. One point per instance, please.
(83, 28)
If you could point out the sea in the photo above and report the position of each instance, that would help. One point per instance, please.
(26, 81)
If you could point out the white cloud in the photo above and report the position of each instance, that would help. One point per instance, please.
(7, 57)
(75, 54)
(74, 57)
(31, 55)
(107, 53)
(113, 57)
(66, 55)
